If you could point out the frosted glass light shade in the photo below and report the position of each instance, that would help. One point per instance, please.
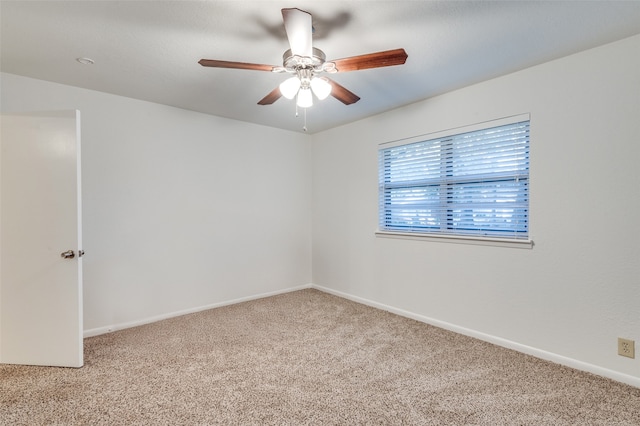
(305, 99)
(321, 87)
(290, 87)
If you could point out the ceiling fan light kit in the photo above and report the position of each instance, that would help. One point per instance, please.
(306, 62)
(305, 100)
(289, 88)
(321, 87)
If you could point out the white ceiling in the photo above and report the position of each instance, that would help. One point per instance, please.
(149, 50)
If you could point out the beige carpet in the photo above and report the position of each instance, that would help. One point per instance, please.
(306, 358)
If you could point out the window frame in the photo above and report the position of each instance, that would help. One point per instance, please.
(448, 235)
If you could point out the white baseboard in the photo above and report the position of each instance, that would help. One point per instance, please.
(538, 353)
(121, 326)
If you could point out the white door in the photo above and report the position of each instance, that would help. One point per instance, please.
(40, 219)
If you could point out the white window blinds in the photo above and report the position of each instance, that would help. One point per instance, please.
(471, 183)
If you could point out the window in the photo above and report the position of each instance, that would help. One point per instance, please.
(468, 182)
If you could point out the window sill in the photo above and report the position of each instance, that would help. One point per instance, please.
(458, 239)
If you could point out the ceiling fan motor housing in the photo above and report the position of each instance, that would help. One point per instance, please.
(294, 63)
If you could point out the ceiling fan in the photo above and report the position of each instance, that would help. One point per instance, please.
(306, 63)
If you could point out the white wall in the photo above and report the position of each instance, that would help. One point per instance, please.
(181, 210)
(578, 289)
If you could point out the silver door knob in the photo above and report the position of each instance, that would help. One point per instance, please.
(69, 254)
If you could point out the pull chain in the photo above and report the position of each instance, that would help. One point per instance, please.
(304, 128)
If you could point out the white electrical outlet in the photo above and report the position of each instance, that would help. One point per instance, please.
(626, 347)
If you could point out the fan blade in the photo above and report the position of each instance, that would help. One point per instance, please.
(371, 60)
(297, 24)
(273, 96)
(343, 95)
(236, 65)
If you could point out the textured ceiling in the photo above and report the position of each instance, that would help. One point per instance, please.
(149, 50)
